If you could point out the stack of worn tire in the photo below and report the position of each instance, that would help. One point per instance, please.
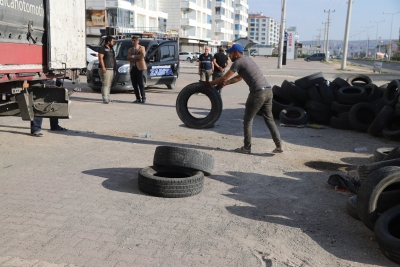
(176, 172)
(352, 104)
(377, 203)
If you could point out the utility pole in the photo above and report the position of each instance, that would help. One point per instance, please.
(319, 37)
(282, 37)
(376, 45)
(324, 37)
(366, 53)
(327, 34)
(346, 34)
(390, 50)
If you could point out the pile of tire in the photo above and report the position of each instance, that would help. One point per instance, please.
(176, 172)
(377, 203)
(352, 104)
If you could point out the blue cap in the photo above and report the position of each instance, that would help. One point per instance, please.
(235, 47)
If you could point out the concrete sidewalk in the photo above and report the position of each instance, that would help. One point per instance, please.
(72, 199)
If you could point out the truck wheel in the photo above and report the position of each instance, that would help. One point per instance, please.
(172, 85)
(181, 157)
(170, 182)
(308, 60)
(371, 189)
(183, 111)
(387, 233)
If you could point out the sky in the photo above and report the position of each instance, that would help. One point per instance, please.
(309, 17)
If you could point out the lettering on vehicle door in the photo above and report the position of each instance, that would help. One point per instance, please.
(161, 71)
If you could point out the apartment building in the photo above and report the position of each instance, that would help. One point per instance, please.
(123, 16)
(241, 19)
(263, 30)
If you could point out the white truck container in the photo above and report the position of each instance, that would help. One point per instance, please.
(261, 51)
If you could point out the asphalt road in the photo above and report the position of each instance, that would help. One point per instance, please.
(386, 66)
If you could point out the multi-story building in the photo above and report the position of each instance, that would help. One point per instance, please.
(263, 29)
(241, 16)
(123, 16)
(223, 15)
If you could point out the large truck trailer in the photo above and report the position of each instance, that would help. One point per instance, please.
(40, 40)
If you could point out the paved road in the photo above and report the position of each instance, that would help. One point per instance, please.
(392, 67)
(72, 199)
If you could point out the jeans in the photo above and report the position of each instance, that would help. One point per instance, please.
(260, 100)
(137, 83)
(205, 75)
(106, 79)
(36, 124)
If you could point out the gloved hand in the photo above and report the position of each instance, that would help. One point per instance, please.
(207, 84)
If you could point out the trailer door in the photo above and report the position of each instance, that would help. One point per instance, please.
(66, 37)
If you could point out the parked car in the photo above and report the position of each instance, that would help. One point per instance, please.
(187, 56)
(91, 54)
(161, 59)
(315, 57)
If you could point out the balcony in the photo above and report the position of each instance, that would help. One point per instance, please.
(219, 29)
(187, 5)
(220, 17)
(242, 3)
(220, 4)
(185, 22)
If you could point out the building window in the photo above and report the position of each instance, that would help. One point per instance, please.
(252, 20)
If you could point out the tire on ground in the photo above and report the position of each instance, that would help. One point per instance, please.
(394, 154)
(380, 121)
(392, 93)
(371, 189)
(278, 105)
(183, 111)
(172, 156)
(293, 116)
(282, 94)
(326, 93)
(373, 91)
(170, 182)
(351, 95)
(340, 108)
(365, 170)
(381, 153)
(310, 80)
(362, 115)
(295, 91)
(314, 94)
(359, 80)
(387, 233)
(392, 129)
(340, 123)
(351, 207)
(339, 82)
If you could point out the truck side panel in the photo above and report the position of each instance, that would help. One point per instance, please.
(66, 35)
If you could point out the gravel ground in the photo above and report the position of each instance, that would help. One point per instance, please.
(72, 199)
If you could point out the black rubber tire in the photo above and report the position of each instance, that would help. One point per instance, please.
(339, 82)
(310, 80)
(359, 80)
(379, 103)
(317, 106)
(392, 128)
(370, 190)
(340, 108)
(293, 116)
(318, 117)
(397, 107)
(373, 91)
(392, 93)
(326, 93)
(343, 115)
(381, 153)
(394, 154)
(340, 123)
(365, 170)
(314, 94)
(282, 95)
(387, 233)
(183, 111)
(351, 95)
(172, 156)
(351, 207)
(170, 182)
(380, 121)
(362, 115)
(295, 91)
(278, 106)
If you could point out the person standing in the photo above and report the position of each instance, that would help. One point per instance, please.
(107, 66)
(206, 65)
(259, 98)
(135, 57)
(221, 62)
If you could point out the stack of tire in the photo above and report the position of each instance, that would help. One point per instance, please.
(176, 172)
(352, 104)
(377, 203)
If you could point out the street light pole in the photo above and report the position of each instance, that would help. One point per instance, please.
(359, 42)
(377, 22)
(366, 53)
(390, 50)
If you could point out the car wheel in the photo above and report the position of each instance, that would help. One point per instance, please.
(322, 60)
(172, 85)
(308, 60)
(189, 59)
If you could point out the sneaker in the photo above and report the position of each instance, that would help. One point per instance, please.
(143, 100)
(106, 102)
(37, 134)
(137, 101)
(59, 128)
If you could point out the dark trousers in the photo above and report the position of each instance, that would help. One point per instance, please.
(260, 100)
(137, 83)
(36, 124)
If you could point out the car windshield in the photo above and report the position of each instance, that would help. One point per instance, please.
(94, 47)
(121, 49)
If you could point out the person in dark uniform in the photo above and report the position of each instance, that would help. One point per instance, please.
(259, 98)
(206, 65)
(107, 66)
(221, 63)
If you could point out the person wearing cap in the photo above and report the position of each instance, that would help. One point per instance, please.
(221, 62)
(259, 98)
(137, 66)
(206, 65)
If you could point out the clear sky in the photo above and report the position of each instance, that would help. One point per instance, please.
(308, 16)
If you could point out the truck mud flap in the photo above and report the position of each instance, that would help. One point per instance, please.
(50, 102)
